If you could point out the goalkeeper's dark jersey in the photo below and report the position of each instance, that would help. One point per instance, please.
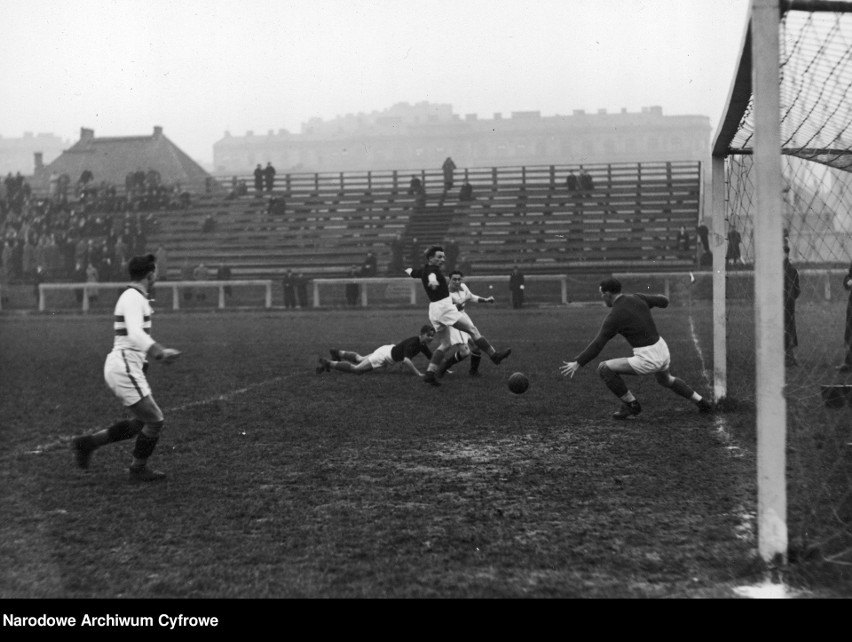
(410, 347)
(630, 317)
(439, 293)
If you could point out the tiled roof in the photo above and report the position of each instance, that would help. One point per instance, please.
(111, 159)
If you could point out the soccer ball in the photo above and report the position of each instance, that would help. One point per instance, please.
(518, 383)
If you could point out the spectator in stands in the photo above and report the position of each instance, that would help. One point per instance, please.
(704, 236)
(415, 186)
(587, 183)
(370, 267)
(416, 257)
(846, 366)
(288, 284)
(571, 182)
(516, 287)
(162, 263)
(92, 277)
(733, 256)
(792, 290)
(448, 168)
(39, 278)
(466, 192)
(682, 241)
(353, 290)
(200, 273)
(258, 179)
(269, 176)
(79, 276)
(222, 274)
(209, 224)
(302, 290)
(451, 255)
(187, 274)
(397, 248)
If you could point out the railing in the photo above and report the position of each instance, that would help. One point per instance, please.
(411, 289)
(175, 286)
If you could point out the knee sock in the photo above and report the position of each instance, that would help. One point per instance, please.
(613, 381)
(487, 348)
(145, 443)
(119, 431)
(474, 362)
(679, 387)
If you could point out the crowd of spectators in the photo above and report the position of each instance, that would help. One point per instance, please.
(57, 238)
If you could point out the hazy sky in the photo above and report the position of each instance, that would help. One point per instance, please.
(201, 67)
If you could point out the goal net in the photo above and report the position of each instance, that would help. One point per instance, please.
(800, 199)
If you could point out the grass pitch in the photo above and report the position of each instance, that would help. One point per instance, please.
(287, 484)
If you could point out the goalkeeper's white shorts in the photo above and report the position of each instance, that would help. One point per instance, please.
(650, 359)
(125, 375)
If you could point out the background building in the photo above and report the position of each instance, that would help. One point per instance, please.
(423, 135)
(18, 154)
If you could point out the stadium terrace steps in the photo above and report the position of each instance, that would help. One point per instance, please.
(629, 218)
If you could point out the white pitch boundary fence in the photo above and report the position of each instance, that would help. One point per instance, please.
(414, 288)
(90, 288)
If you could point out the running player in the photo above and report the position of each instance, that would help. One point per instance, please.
(125, 371)
(444, 315)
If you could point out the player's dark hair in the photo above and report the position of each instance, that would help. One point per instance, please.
(426, 328)
(139, 266)
(611, 285)
(454, 272)
(432, 250)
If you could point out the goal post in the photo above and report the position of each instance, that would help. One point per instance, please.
(780, 181)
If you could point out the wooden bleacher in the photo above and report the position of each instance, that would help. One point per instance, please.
(520, 215)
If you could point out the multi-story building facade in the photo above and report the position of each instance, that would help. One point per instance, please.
(19, 154)
(423, 135)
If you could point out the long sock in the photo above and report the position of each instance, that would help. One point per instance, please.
(679, 387)
(343, 366)
(144, 447)
(474, 362)
(483, 344)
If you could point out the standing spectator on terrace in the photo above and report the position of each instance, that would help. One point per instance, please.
(415, 186)
(396, 248)
(186, 274)
(846, 366)
(792, 290)
(269, 176)
(416, 257)
(370, 267)
(704, 236)
(733, 256)
(200, 273)
(682, 241)
(288, 284)
(572, 183)
(162, 263)
(516, 287)
(125, 374)
(92, 277)
(302, 290)
(587, 183)
(258, 179)
(353, 290)
(451, 254)
(448, 168)
(224, 274)
(466, 192)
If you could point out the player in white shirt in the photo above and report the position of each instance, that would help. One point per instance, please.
(124, 372)
(462, 344)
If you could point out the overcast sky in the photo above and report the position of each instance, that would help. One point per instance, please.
(199, 68)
